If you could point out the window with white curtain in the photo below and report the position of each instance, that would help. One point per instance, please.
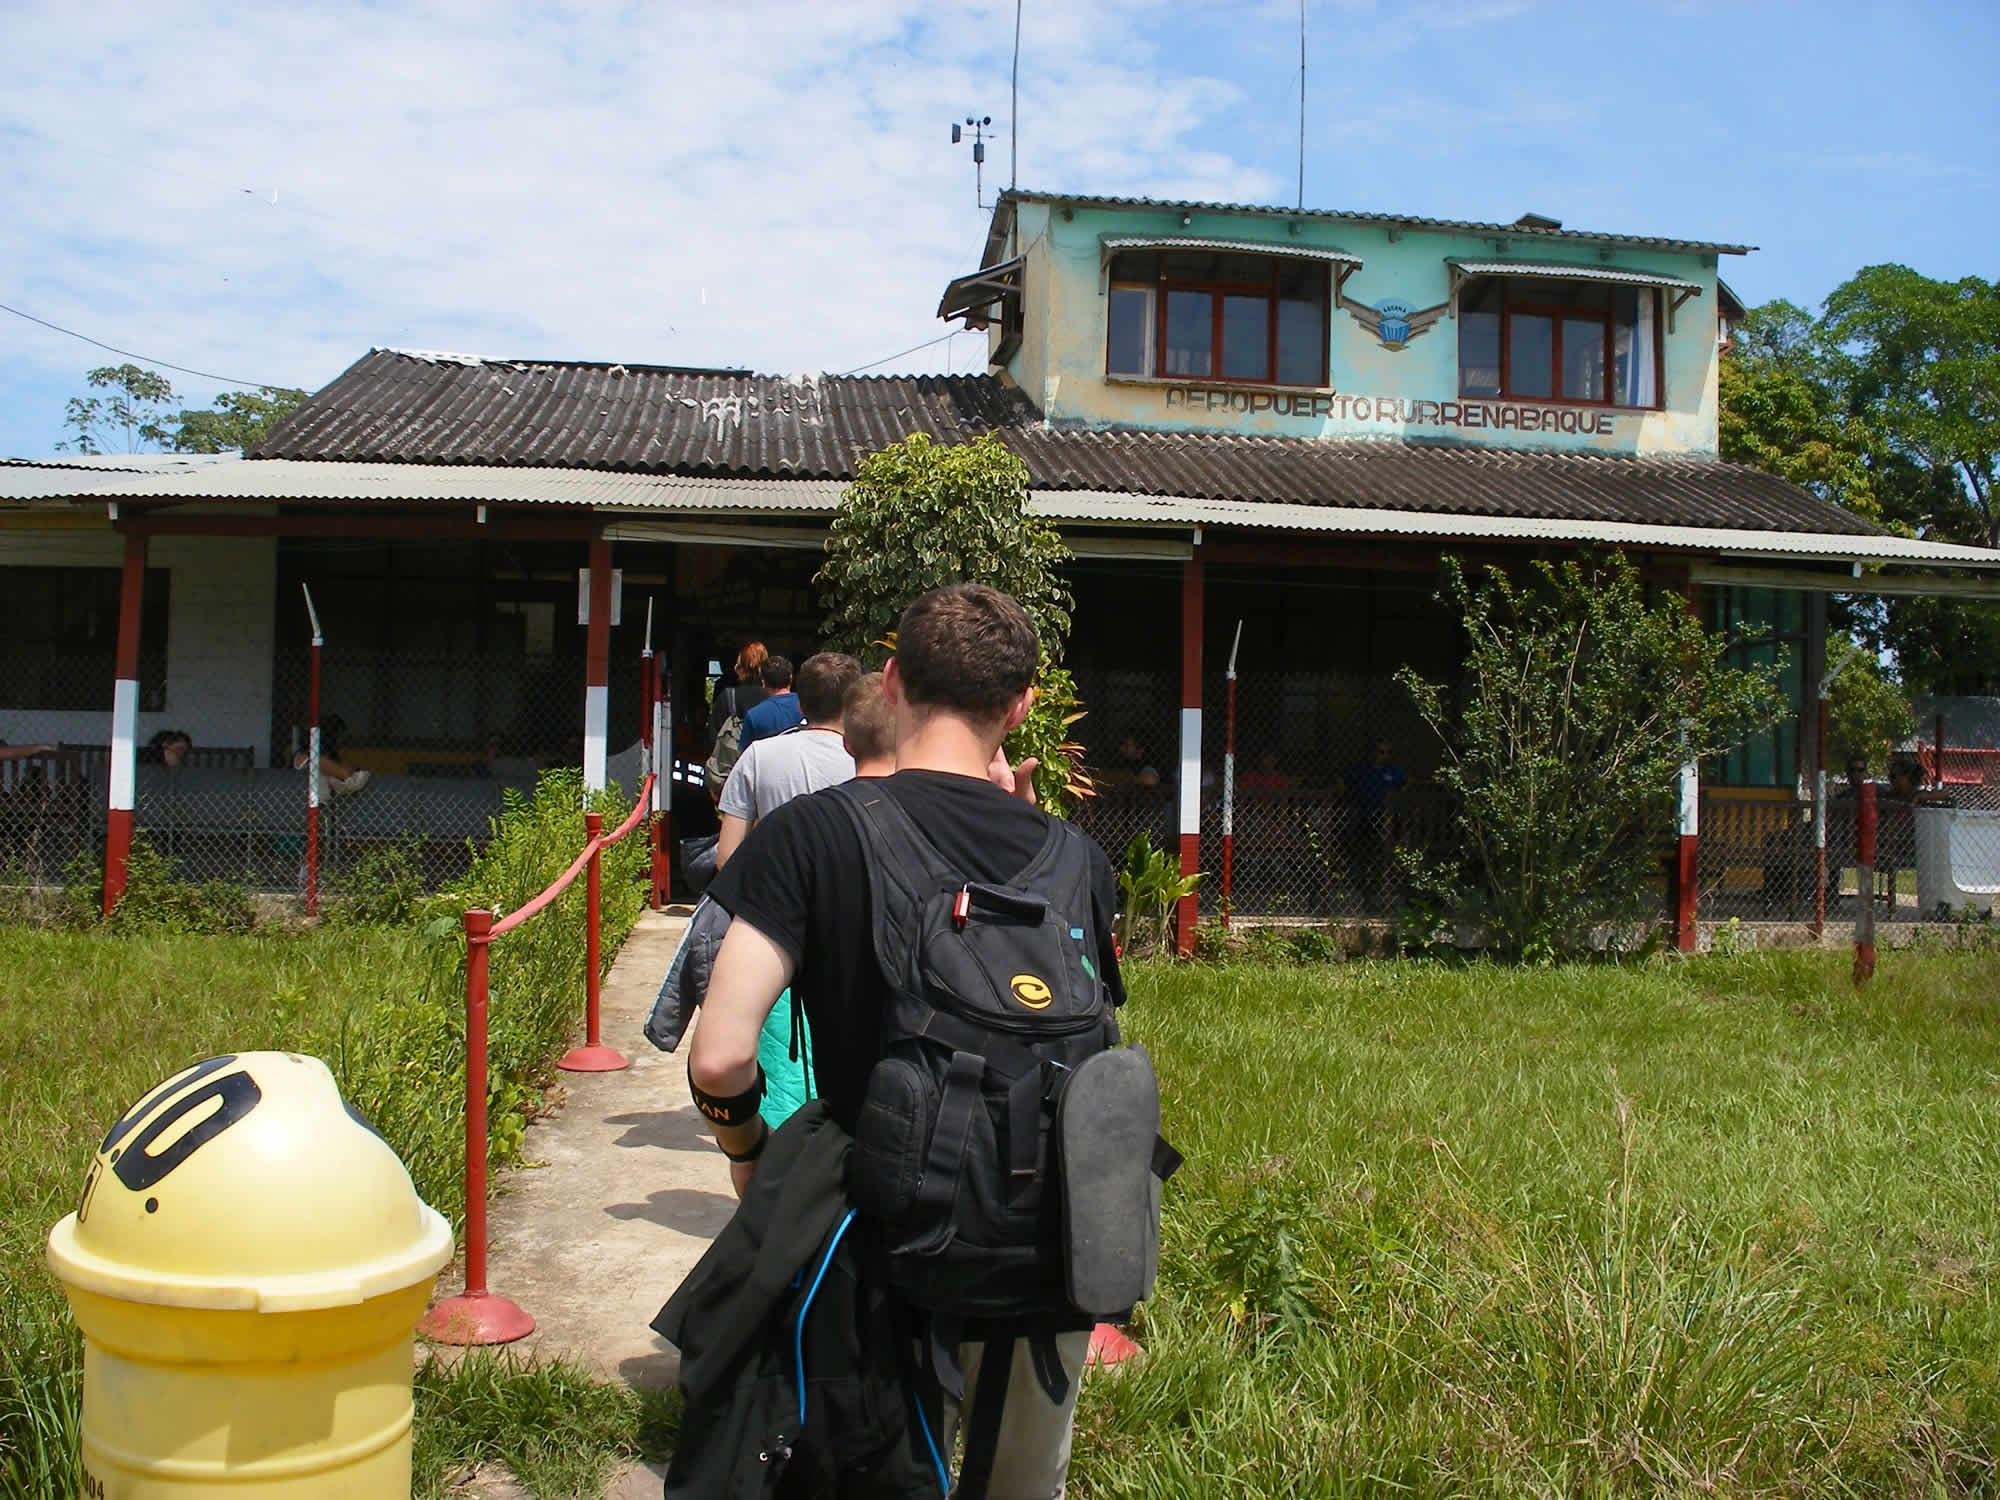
(1583, 342)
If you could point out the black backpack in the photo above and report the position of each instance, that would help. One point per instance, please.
(1007, 1160)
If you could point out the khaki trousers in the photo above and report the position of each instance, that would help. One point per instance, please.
(1031, 1460)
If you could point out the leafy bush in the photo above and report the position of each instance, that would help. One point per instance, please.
(156, 899)
(920, 515)
(1581, 701)
(385, 887)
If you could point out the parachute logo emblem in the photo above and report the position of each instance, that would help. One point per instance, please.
(1031, 991)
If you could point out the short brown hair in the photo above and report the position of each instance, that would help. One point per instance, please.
(822, 684)
(966, 647)
(867, 722)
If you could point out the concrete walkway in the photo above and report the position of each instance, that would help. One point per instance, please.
(628, 1191)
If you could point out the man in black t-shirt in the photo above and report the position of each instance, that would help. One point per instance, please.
(961, 680)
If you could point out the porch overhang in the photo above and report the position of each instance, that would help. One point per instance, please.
(970, 297)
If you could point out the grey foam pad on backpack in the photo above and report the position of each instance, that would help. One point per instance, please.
(1107, 1119)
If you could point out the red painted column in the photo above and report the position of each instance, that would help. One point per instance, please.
(124, 723)
(1190, 773)
(1864, 883)
(1687, 872)
(597, 669)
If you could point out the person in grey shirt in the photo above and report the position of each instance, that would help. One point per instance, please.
(772, 771)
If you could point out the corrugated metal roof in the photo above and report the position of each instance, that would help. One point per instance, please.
(295, 481)
(1011, 196)
(394, 407)
(1561, 271)
(1111, 242)
(390, 408)
(1161, 510)
(63, 476)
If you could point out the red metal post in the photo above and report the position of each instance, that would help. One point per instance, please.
(1687, 931)
(124, 724)
(1229, 807)
(312, 780)
(1864, 880)
(593, 1056)
(597, 668)
(476, 1316)
(661, 832)
(1940, 752)
(1819, 822)
(1189, 910)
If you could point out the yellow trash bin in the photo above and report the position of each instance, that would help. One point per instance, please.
(247, 1264)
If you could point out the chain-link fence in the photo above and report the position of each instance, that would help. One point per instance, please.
(417, 752)
(1334, 780)
(1937, 852)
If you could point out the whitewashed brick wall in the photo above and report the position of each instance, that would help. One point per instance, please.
(219, 636)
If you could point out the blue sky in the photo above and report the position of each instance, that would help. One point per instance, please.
(771, 184)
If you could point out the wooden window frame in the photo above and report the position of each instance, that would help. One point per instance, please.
(1152, 360)
(1559, 313)
(1217, 291)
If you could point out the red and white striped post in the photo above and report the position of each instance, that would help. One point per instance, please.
(660, 761)
(1864, 883)
(1686, 873)
(476, 1316)
(312, 761)
(124, 724)
(593, 1056)
(1819, 817)
(1189, 910)
(597, 668)
(1229, 782)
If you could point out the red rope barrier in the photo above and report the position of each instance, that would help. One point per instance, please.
(477, 1316)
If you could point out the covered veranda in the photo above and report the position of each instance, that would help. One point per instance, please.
(1333, 599)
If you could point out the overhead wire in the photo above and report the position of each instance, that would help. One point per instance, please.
(914, 348)
(164, 364)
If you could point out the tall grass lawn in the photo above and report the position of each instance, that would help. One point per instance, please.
(1717, 1227)
(91, 1019)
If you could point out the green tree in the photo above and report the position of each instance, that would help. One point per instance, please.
(239, 420)
(1563, 744)
(1866, 711)
(139, 411)
(1920, 361)
(132, 413)
(1780, 411)
(920, 515)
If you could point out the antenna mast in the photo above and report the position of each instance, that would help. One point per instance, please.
(1302, 103)
(1014, 107)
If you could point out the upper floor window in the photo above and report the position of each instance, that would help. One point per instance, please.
(1216, 315)
(1536, 339)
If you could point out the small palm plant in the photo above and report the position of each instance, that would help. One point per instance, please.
(1151, 883)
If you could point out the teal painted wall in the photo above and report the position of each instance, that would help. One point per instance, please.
(1375, 392)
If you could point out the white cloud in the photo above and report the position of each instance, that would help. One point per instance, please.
(764, 184)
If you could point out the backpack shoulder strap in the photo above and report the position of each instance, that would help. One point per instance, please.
(903, 866)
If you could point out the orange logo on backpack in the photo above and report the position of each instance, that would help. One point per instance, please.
(1031, 992)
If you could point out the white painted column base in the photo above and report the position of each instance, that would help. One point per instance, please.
(596, 719)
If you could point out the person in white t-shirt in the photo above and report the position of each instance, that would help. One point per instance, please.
(772, 771)
(769, 773)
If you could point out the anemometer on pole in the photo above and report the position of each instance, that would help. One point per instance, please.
(978, 129)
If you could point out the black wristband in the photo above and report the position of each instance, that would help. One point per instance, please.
(739, 1109)
(755, 1151)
